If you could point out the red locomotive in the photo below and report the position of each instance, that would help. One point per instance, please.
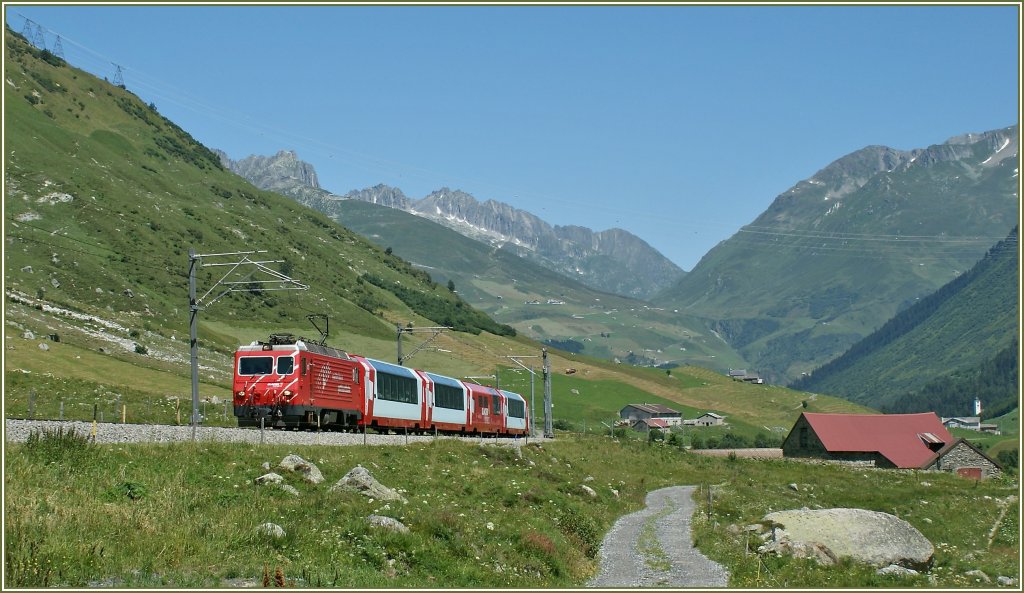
(294, 383)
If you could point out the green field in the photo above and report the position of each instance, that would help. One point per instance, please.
(186, 515)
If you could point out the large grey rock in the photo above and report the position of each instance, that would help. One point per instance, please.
(270, 478)
(872, 537)
(359, 479)
(387, 523)
(272, 530)
(310, 472)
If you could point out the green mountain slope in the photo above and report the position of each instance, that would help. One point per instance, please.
(842, 252)
(941, 352)
(105, 197)
(522, 294)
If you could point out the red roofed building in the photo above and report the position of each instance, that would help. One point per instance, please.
(648, 424)
(908, 441)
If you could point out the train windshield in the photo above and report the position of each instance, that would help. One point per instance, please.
(256, 365)
(285, 365)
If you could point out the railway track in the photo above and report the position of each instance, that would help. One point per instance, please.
(17, 431)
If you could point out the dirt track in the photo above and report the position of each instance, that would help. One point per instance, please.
(653, 548)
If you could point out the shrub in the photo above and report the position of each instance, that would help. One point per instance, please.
(561, 424)
(582, 528)
(60, 446)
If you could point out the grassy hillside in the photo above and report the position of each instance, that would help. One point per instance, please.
(842, 252)
(186, 515)
(961, 327)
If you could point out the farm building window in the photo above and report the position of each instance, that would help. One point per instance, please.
(396, 389)
(803, 437)
(446, 396)
(516, 408)
(255, 365)
(285, 365)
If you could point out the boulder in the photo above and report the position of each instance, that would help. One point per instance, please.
(387, 523)
(872, 537)
(270, 478)
(310, 472)
(588, 491)
(978, 575)
(784, 546)
(358, 479)
(272, 530)
(897, 570)
(289, 489)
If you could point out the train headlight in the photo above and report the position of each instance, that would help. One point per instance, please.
(239, 393)
(287, 393)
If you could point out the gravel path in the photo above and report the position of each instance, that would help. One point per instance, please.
(652, 547)
(18, 431)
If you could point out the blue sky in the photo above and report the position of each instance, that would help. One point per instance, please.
(679, 124)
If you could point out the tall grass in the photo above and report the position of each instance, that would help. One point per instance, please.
(186, 514)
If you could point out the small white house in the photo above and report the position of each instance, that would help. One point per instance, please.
(709, 419)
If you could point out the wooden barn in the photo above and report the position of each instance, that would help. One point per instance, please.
(906, 441)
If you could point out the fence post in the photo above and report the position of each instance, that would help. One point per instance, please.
(261, 429)
(124, 413)
(406, 435)
(364, 434)
(32, 404)
(62, 409)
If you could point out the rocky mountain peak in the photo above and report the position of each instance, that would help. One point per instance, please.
(614, 261)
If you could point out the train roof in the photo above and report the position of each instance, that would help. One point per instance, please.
(297, 345)
(392, 369)
(512, 395)
(442, 380)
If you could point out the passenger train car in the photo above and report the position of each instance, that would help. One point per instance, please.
(292, 383)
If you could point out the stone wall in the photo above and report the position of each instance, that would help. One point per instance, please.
(964, 455)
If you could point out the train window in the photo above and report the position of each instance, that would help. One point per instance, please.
(516, 408)
(255, 365)
(285, 365)
(446, 396)
(495, 405)
(304, 361)
(397, 389)
(355, 376)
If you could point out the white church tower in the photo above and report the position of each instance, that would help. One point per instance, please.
(977, 406)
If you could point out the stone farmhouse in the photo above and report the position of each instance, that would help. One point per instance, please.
(905, 441)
